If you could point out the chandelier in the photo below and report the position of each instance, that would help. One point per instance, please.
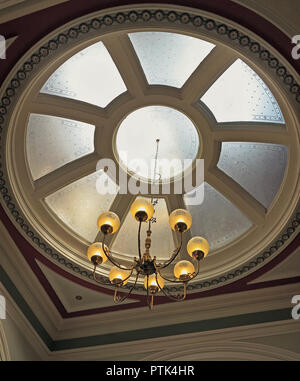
(145, 265)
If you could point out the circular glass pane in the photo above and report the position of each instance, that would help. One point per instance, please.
(136, 142)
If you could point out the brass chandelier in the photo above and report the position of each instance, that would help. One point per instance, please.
(184, 271)
(142, 211)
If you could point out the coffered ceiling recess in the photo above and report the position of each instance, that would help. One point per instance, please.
(113, 82)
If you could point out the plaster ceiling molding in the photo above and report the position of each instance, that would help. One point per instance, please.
(66, 199)
(10, 41)
(231, 351)
(13, 9)
(75, 297)
(153, 348)
(285, 18)
(9, 3)
(289, 268)
(4, 351)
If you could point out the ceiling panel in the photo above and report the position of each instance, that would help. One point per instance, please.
(217, 219)
(257, 167)
(240, 94)
(75, 297)
(90, 76)
(79, 204)
(169, 58)
(52, 142)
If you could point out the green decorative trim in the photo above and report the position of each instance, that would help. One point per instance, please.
(111, 22)
(24, 307)
(140, 334)
(175, 329)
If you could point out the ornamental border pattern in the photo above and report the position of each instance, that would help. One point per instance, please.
(130, 17)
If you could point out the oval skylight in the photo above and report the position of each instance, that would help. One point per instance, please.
(52, 142)
(136, 142)
(89, 76)
(169, 58)
(241, 95)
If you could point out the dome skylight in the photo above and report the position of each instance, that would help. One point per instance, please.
(62, 154)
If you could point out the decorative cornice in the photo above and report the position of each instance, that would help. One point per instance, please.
(189, 327)
(112, 22)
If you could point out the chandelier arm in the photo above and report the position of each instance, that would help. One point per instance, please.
(121, 283)
(109, 257)
(147, 296)
(192, 276)
(121, 299)
(97, 279)
(150, 303)
(198, 269)
(170, 280)
(139, 240)
(172, 297)
(166, 264)
(108, 284)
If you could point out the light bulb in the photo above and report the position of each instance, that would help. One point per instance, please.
(152, 284)
(183, 270)
(198, 247)
(108, 222)
(96, 254)
(142, 209)
(180, 220)
(117, 275)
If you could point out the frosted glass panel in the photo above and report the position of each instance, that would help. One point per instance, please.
(90, 76)
(257, 167)
(136, 138)
(169, 58)
(217, 219)
(79, 205)
(52, 142)
(162, 244)
(241, 95)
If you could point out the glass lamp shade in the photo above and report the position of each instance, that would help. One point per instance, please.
(96, 254)
(183, 270)
(198, 247)
(152, 284)
(108, 222)
(180, 220)
(116, 276)
(142, 209)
